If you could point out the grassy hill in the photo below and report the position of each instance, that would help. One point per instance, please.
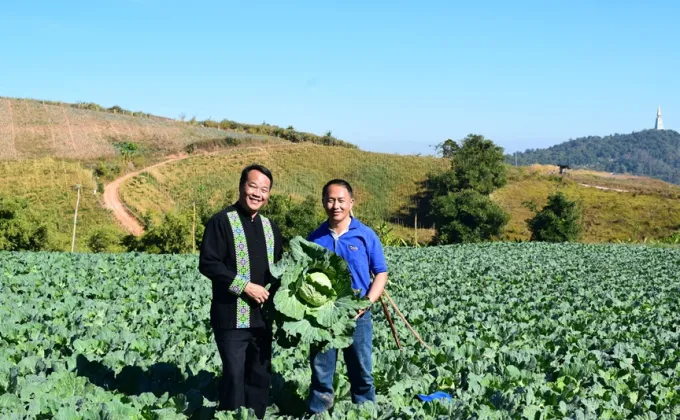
(48, 186)
(653, 153)
(386, 184)
(47, 148)
(32, 129)
(615, 207)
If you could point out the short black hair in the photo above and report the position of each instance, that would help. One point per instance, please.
(340, 182)
(259, 168)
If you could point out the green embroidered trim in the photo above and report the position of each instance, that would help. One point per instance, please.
(268, 238)
(243, 264)
(242, 270)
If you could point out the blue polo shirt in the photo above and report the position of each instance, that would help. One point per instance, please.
(359, 246)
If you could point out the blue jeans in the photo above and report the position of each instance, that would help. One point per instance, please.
(359, 367)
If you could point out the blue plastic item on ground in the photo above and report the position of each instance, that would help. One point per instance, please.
(434, 396)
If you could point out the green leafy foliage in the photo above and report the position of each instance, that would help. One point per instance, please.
(478, 164)
(172, 236)
(529, 330)
(467, 216)
(447, 148)
(126, 149)
(459, 202)
(20, 229)
(654, 153)
(104, 239)
(559, 221)
(294, 217)
(314, 303)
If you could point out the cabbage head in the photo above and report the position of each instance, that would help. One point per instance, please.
(316, 289)
(314, 302)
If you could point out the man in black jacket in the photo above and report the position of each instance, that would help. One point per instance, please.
(237, 249)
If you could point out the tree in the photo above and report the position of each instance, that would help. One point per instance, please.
(478, 165)
(460, 207)
(20, 230)
(467, 216)
(171, 236)
(447, 148)
(559, 221)
(292, 217)
(103, 240)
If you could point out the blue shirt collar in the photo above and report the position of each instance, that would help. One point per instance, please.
(353, 224)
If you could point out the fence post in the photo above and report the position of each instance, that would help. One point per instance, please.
(193, 231)
(75, 220)
(416, 230)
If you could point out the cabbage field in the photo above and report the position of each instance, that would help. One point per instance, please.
(517, 331)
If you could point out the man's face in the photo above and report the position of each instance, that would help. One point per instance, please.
(337, 203)
(254, 194)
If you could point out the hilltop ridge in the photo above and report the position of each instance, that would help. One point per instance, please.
(652, 153)
(31, 129)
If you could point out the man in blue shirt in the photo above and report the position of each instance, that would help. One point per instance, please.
(359, 245)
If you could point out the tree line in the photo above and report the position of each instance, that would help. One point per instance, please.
(652, 153)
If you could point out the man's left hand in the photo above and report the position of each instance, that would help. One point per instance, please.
(363, 311)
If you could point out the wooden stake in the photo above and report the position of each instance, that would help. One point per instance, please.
(75, 220)
(403, 318)
(391, 322)
(193, 231)
(416, 230)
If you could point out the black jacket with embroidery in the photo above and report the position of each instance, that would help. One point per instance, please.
(217, 261)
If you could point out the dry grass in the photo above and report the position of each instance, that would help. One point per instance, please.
(630, 183)
(651, 209)
(383, 183)
(31, 129)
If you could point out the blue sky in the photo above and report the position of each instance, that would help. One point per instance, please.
(390, 76)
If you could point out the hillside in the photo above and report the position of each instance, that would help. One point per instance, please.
(48, 186)
(31, 129)
(386, 184)
(46, 148)
(652, 153)
(615, 207)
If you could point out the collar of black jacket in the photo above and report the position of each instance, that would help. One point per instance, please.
(243, 212)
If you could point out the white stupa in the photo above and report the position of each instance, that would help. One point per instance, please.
(659, 121)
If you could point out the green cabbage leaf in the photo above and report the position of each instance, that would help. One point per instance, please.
(314, 303)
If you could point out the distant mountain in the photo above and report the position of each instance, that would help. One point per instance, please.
(653, 153)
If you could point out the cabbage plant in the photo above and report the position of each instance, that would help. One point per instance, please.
(314, 302)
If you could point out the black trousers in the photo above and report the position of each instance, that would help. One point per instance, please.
(246, 368)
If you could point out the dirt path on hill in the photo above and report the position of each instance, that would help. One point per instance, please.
(603, 188)
(121, 212)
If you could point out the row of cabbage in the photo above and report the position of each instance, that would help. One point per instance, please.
(517, 331)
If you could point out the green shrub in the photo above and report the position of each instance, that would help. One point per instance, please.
(467, 216)
(171, 236)
(103, 240)
(294, 218)
(20, 230)
(559, 221)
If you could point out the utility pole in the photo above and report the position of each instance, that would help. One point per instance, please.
(193, 231)
(516, 158)
(75, 220)
(415, 239)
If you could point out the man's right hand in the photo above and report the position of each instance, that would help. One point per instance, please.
(256, 292)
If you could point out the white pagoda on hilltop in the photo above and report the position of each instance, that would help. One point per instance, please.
(659, 121)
